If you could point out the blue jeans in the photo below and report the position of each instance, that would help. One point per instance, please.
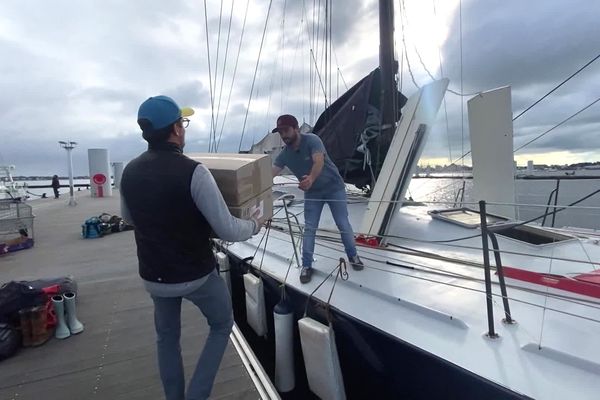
(213, 300)
(313, 205)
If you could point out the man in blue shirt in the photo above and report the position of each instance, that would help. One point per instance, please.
(305, 155)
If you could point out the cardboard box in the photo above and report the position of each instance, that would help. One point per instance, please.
(262, 202)
(240, 177)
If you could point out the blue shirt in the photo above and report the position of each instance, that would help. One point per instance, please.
(300, 162)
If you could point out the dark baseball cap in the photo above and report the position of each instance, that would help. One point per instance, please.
(285, 120)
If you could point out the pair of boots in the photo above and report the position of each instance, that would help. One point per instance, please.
(34, 326)
(67, 323)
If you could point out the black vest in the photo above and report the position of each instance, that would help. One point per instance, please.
(171, 234)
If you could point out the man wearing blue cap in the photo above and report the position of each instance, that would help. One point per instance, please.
(305, 155)
(175, 206)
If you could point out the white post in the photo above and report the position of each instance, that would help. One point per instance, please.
(99, 163)
(69, 146)
(117, 173)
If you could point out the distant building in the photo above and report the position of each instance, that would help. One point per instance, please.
(530, 167)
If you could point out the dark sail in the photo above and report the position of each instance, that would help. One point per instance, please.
(352, 123)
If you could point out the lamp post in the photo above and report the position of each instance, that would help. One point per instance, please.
(69, 145)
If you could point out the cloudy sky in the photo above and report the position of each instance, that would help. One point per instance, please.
(79, 70)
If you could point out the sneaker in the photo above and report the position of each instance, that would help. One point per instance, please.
(356, 263)
(305, 274)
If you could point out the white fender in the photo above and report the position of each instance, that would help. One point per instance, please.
(283, 318)
(224, 269)
(255, 304)
(321, 360)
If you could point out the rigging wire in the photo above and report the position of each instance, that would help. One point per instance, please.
(223, 74)
(337, 64)
(448, 242)
(212, 106)
(557, 125)
(462, 103)
(556, 87)
(444, 98)
(330, 45)
(439, 271)
(237, 58)
(213, 125)
(404, 51)
(290, 76)
(274, 73)
(416, 49)
(458, 286)
(542, 98)
(545, 303)
(255, 71)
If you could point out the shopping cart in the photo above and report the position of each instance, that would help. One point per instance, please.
(16, 225)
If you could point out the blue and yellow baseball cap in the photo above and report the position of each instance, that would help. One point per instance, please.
(160, 112)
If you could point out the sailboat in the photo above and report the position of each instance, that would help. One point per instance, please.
(9, 189)
(465, 302)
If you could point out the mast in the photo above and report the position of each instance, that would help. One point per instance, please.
(389, 70)
(402, 148)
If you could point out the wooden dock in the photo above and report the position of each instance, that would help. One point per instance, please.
(115, 357)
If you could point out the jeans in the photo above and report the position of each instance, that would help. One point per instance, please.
(313, 205)
(213, 300)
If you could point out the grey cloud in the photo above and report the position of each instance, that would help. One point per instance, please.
(84, 76)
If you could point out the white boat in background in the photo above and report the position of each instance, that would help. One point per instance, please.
(9, 189)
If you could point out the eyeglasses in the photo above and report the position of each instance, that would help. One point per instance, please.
(185, 122)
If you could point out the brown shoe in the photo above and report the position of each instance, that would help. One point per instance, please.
(25, 322)
(39, 332)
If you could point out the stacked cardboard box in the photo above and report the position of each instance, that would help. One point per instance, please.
(245, 181)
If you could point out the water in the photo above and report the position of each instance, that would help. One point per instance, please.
(528, 191)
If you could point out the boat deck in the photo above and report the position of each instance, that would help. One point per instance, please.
(115, 357)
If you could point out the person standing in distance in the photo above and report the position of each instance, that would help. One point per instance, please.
(305, 155)
(175, 205)
(56, 186)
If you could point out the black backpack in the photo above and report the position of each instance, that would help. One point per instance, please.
(15, 296)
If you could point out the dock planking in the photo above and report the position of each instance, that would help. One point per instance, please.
(115, 356)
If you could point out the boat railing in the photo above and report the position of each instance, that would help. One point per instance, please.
(485, 233)
(465, 270)
(283, 199)
(554, 195)
(460, 194)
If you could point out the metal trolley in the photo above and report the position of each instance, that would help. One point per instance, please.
(16, 218)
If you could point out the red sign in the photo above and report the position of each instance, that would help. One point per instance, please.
(99, 179)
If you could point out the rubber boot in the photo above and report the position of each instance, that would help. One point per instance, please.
(62, 331)
(25, 322)
(39, 330)
(74, 325)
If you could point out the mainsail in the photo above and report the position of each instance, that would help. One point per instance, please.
(350, 130)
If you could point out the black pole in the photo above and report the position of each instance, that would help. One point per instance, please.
(389, 69)
(555, 202)
(500, 269)
(486, 264)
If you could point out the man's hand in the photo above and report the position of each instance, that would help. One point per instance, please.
(254, 217)
(306, 182)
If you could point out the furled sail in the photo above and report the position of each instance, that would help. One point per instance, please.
(350, 129)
